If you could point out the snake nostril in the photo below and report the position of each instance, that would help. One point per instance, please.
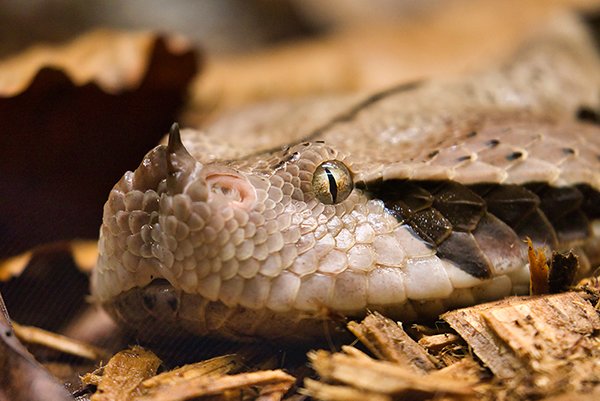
(235, 189)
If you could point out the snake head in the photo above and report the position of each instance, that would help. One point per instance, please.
(270, 238)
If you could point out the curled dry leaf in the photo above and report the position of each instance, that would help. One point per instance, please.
(76, 116)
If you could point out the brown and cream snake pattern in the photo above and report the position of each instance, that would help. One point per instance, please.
(410, 201)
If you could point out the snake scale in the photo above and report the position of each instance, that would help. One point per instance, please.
(410, 201)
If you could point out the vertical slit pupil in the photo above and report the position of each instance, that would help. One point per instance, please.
(333, 190)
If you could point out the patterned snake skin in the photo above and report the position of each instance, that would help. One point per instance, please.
(411, 201)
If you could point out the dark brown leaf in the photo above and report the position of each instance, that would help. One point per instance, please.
(75, 118)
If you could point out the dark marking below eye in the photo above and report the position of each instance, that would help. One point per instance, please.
(587, 114)
(568, 151)
(492, 143)
(463, 158)
(514, 156)
(471, 134)
(332, 185)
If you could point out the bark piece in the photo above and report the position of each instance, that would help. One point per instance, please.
(387, 340)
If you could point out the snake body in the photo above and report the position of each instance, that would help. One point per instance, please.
(252, 227)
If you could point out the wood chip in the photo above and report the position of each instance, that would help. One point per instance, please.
(213, 367)
(469, 323)
(351, 367)
(387, 340)
(35, 335)
(124, 373)
(274, 392)
(211, 385)
(466, 369)
(330, 392)
(550, 342)
(436, 343)
(588, 396)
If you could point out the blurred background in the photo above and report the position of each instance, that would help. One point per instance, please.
(232, 26)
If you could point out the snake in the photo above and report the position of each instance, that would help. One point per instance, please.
(282, 217)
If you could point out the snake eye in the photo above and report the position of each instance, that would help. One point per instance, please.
(332, 182)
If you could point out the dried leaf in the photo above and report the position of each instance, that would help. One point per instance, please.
(538, 270)
(78, 116)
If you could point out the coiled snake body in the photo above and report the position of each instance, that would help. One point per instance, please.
(411, 201)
